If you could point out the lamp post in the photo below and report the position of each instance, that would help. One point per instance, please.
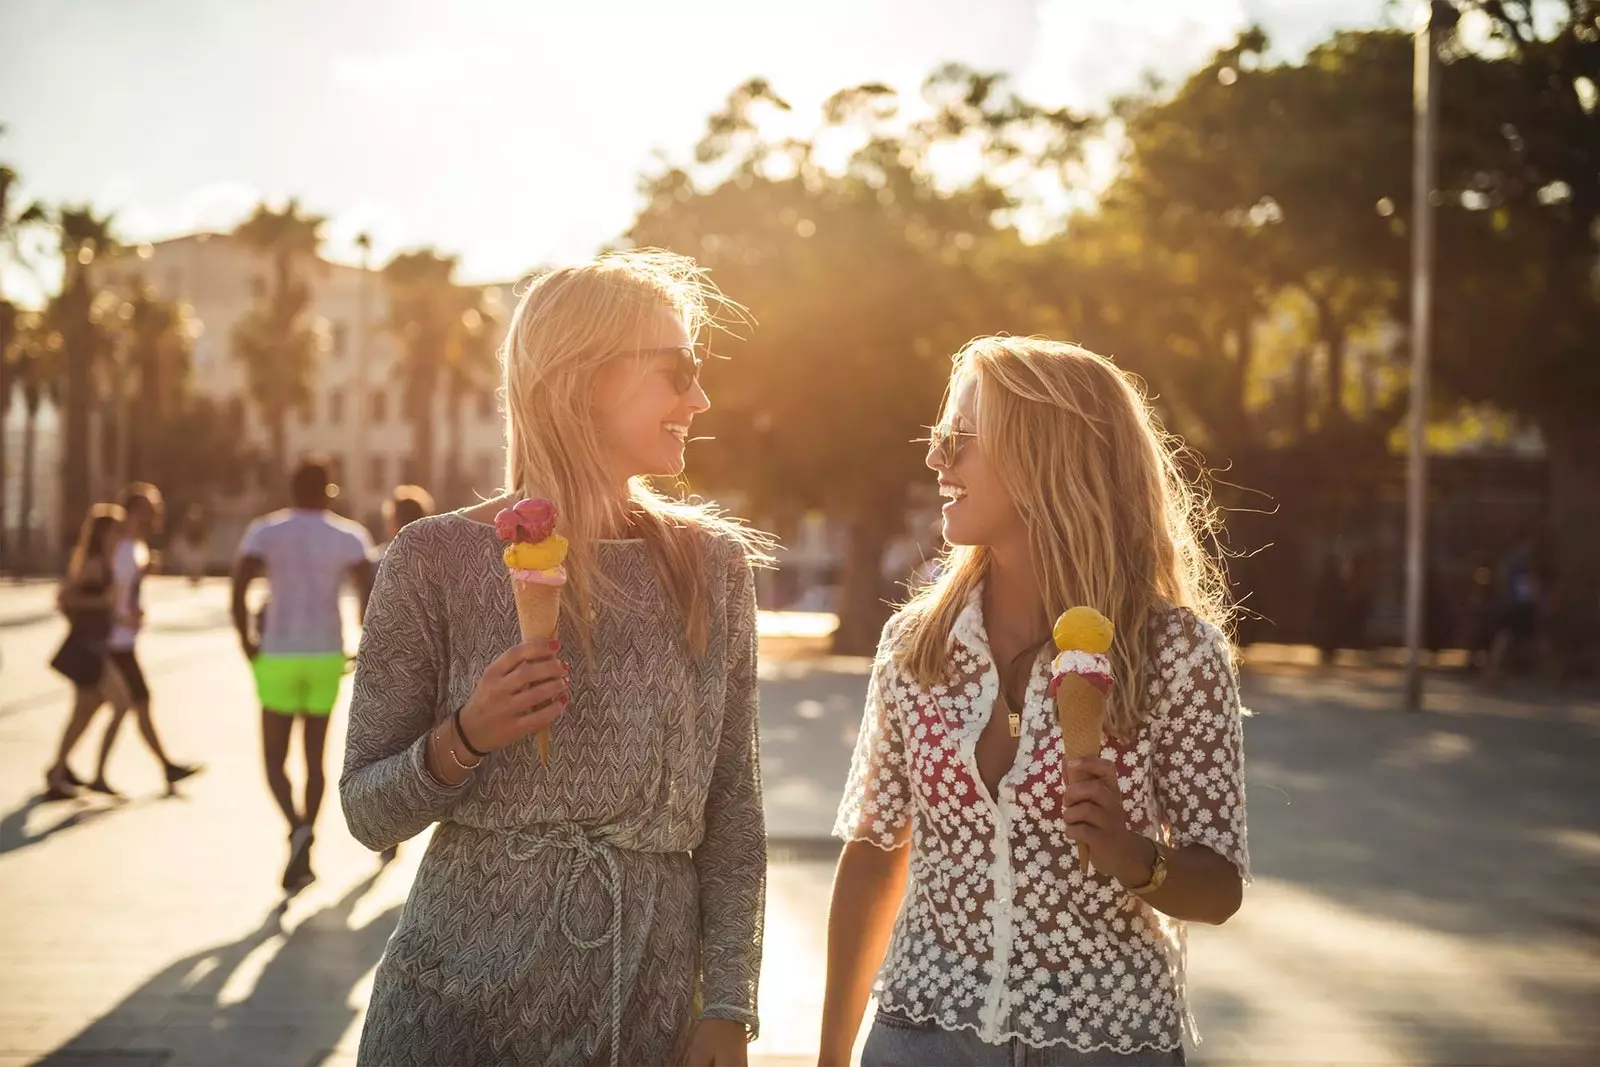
(1434, 17)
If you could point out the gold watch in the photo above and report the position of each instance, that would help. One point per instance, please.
(1158, 873)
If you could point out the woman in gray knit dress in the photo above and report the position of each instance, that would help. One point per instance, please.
(607, 908)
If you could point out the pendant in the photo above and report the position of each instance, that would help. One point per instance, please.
(1014, 721)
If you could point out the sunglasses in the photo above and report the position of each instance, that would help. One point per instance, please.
(685, 370)
(945, 443)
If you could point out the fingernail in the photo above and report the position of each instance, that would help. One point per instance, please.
(565, 698)
(555, 646)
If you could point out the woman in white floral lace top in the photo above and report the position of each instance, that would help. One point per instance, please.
(1063, 491)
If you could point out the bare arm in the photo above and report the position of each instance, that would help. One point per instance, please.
(867, 889)
(246, 569)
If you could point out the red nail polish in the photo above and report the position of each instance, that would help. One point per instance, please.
(555, 646)
(564, 699)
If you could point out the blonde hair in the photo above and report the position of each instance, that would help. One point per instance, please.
(569, 324)
(1112, 521)
(92, 537)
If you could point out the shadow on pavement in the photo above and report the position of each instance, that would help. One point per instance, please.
(1458, 843)
(299, 1005)
(14, 832)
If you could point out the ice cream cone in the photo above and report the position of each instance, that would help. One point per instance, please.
(538, 612)
(1081, 710)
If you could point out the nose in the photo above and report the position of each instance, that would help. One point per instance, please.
(697, 399)
(935, 459)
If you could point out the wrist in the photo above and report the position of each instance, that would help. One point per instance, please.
(1134, 861)
(470, 738)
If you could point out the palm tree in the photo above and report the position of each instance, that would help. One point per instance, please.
(277, 341)
(425, 311)
(470, 368)
(75, 314)
(160, 346)
(12, 225)
(37, 367)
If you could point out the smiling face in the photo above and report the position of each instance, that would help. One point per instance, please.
(645, 401)
(979, 510)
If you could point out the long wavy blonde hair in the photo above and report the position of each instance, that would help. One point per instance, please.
(1112, 520)
(568, 325)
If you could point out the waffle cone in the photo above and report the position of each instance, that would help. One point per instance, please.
(538, 612)
(1081, 710)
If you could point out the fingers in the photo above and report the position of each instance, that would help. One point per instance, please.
(532, 672)
(535, 698)
(1093, 791)
(1091, 767)
(527, 652)
(1077, 817)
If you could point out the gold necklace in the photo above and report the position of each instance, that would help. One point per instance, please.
(1013, 717)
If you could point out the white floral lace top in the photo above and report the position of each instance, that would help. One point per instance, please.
(1000, 932)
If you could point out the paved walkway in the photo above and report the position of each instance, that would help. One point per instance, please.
(1425, 893)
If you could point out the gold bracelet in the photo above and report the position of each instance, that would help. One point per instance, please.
(450, 749)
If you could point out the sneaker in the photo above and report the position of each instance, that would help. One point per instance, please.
(177, 772)
(298, 874)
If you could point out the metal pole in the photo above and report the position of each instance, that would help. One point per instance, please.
(1425, 118)
(357, 477)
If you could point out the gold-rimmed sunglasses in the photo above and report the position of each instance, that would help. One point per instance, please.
(945, 442)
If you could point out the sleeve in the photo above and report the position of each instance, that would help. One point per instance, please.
(731, 860)
(876, 806)
(361, 550)
(250, 543)
(386, 790)
(1199, 749)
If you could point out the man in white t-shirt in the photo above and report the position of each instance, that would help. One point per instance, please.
(129, 565)
(305, 552)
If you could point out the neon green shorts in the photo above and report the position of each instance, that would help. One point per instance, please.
(299, 685)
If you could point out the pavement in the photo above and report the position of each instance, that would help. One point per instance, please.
(1427, 886)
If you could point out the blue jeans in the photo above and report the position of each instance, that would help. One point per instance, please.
(895, 1041)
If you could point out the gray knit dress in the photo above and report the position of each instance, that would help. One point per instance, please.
(584, 913)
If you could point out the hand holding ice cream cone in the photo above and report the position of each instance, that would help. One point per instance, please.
(1080, 678)
(534, 558)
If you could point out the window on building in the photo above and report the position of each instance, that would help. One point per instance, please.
(335, 407)
(380, 474)
(488, 472)
(308, 412)
(336, 468)
(341, 339)
(486, 404)
(380, 405)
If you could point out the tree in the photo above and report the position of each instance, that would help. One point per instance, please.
(425, 317)
(76, 314)
(863, 282)
(471, 369)
(159, 346)
(37, 369)
(1518, 313)
(278, 340)
(12, 223)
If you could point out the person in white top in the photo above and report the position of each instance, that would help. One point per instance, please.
(129, 565)
(965, 821)
(305, 552)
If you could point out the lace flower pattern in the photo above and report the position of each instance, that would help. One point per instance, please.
(1000, 932)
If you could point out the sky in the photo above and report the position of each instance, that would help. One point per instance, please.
(510, 132)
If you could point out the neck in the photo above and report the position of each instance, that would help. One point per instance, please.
(1013, 607)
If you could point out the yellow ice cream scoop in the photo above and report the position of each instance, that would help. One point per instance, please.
(541, 556)
(1083, 629)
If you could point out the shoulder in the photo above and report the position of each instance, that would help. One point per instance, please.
(1187, 651)
(440, 541)
(351, 530)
